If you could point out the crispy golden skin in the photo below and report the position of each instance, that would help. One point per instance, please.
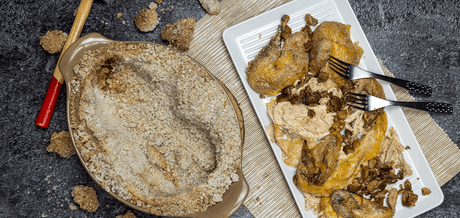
(275, 68)
(337, 176)
(350, 205)
(321, 161)
(333, 38)
(319, 173)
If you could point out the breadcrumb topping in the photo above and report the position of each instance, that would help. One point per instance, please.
(147, 19)
(179, 34)
(154, 128)
(53, 41)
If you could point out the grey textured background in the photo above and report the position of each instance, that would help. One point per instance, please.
(416, 41)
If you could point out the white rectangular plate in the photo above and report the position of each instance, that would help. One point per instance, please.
(245, 40)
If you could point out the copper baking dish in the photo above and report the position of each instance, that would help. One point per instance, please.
(232, 199)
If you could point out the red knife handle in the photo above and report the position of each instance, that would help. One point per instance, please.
(46, 111)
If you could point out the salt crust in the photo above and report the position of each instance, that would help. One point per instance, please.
(157, 130)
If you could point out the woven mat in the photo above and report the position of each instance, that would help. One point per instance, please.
(269, 194)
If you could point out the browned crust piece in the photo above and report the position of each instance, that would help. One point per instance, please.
(147, 19)
(53, 41)
(211, 6)
(61, 143)
(128, 214)
(86, 197)
(179, 34)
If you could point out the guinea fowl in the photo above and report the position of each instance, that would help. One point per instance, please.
(276, 66)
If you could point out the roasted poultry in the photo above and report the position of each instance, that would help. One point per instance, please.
(310, 116)
(274, 67)
(290, 144)
(349, 205)
(319, 162)
(328, 176)
(336, 176)
(333, 38)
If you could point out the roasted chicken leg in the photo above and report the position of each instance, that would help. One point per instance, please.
(333, 38)
(275, 68)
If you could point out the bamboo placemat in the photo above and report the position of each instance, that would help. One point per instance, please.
(269, 194)
(442, 154)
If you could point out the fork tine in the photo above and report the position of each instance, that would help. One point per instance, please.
(355, 100)
(336, 65)
(361, 108)
(342, 62)
(342, 74)
(356, 94)
(360, 103)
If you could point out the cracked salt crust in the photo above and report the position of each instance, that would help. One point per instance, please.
(154, 128)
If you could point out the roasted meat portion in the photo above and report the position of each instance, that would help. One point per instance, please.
(319, 163)
(290, 144)
(276, 67)
(369, 86)
(328, 174)
(392, 199)
(333, 38)
(350, 205)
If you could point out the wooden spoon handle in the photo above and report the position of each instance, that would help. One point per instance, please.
(47, 109)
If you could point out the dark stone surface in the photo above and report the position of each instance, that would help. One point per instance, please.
(416, 40)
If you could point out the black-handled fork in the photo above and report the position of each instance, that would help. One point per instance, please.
(369, 103)
(351, 72)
